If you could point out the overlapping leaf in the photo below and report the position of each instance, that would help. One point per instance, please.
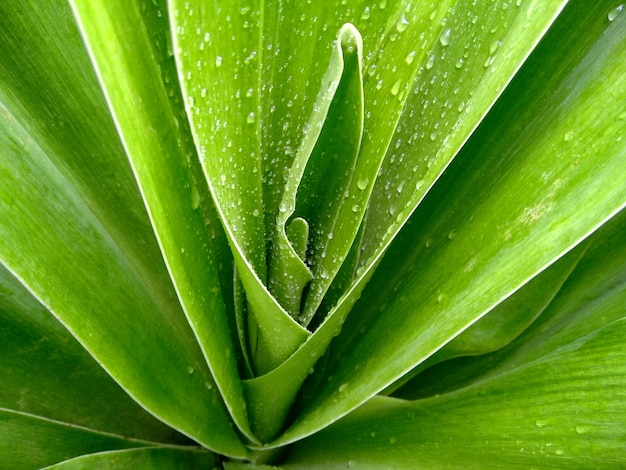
(495, 221)
(227, 117)
(541, 401)
(49, 369)
(104, 285)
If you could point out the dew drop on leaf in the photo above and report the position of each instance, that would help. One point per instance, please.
(410, 58)
(395, 88)
(402, 25)
(251, 118)
(430, 62)
(195, 198)
(366, 14)
(494, 47)
(615, 11)
(444, 39)
(218, 61)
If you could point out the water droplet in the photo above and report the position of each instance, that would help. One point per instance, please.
(282, 207)
(541, 423)
(395, 88)
(400, 187)
(383, 4)
(223, 178)
(427, 243)
(402, 25)
(440, 297)
(410, 58)
(430, 62)
(559, 452)
(343, 388)
(444, 39)
(393, 440)
(615, 11)
(244, 10)
(583, 428)
(195, 198)
(379, 84)
(362, 183)
(250, 92)
(218, 61)
(190, 370)
(459, 63)
(251, 117)
(355, 208)
(494, 47)
(451, 235)
(366, 14)
(568, 136)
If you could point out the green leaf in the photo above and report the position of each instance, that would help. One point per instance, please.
(234, 174)
(492, 223)
(590, 299)
(49, 441)
(49, 369)
(541, 401)
(73, 259)
(467, 55)
(138, 94)
(156, 458)
(554, 411)
(385, 113)
(506, 321)
(326, 183)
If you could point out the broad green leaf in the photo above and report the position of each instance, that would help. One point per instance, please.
(392, 64)
(590, 299)
(542, 401)
(49, 369)
(138, 93)
(505, 322)
(556, 412)
(493, 222)
(466, 54)
(156, 458)
(48, 77)
(50, 441)
(74, 261)
(217, 59)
